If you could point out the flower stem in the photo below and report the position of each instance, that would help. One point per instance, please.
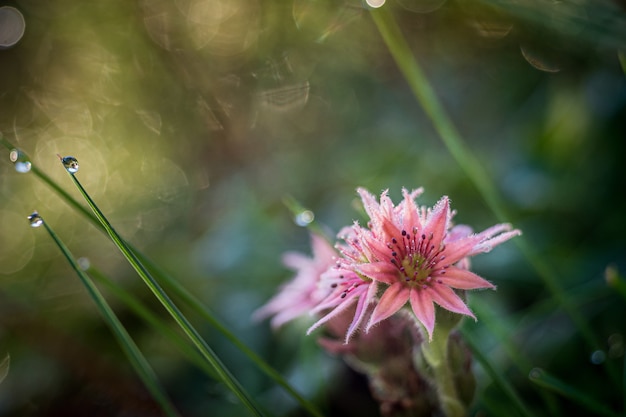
(436, 355)
(136, 358)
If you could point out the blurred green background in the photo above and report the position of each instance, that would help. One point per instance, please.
(192, 120)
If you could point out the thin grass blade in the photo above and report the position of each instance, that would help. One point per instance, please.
(136, 358)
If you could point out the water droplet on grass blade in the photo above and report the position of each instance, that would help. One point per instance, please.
(84, 263)
(20, 160)
(35, 219)
(70, 163)
(304, 218)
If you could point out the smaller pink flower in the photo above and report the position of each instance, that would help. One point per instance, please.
(300, 295)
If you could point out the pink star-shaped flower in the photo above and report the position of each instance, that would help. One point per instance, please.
(417, 253)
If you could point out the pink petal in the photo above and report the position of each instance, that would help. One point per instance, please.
(322, 249)
(459, 249)
(391, 301)
(296, 260)
(361, 309)
(487, 245)
(410, 215)
(494, 230)
(458, 232)
(335, 312)
(437, 222)
(462, 279)
(369, 203)
(424, 309)
(285, 316)
(447, 298)
(378, 248)
(379, 271)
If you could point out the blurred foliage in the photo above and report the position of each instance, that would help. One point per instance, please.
(193, 119)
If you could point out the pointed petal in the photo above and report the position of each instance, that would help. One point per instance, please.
(487, 245)
(424, 309)
(322, 250)
(459, 249)
(296, 260)
(361, 309)
(378, 248)
(462, 279)
(286, 316)
(333, 313)
(391, 301)
(379, 271)
(494, 230)
(447, 298)
(369, 203)
(458, 232)
(437, 222)
(410, 214)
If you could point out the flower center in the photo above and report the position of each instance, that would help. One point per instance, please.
(415, 257)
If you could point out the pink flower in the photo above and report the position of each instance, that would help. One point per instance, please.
(416, 253)
(347, 288)
(300, 295)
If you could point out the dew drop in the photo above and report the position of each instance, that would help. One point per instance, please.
(304, 218)
(84, 263)
(35, 219)
(12, 26)
(70, 163)
(598, 357)
(20, 161)
(536, 373)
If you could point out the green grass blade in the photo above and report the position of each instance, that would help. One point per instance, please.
(497, 376)
(543, 379)
(150, 318)
(180, 292)
(205, 350)
(136, 358)
(427, 98)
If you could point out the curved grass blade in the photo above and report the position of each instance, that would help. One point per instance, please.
(205, 350)
(136, 358)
